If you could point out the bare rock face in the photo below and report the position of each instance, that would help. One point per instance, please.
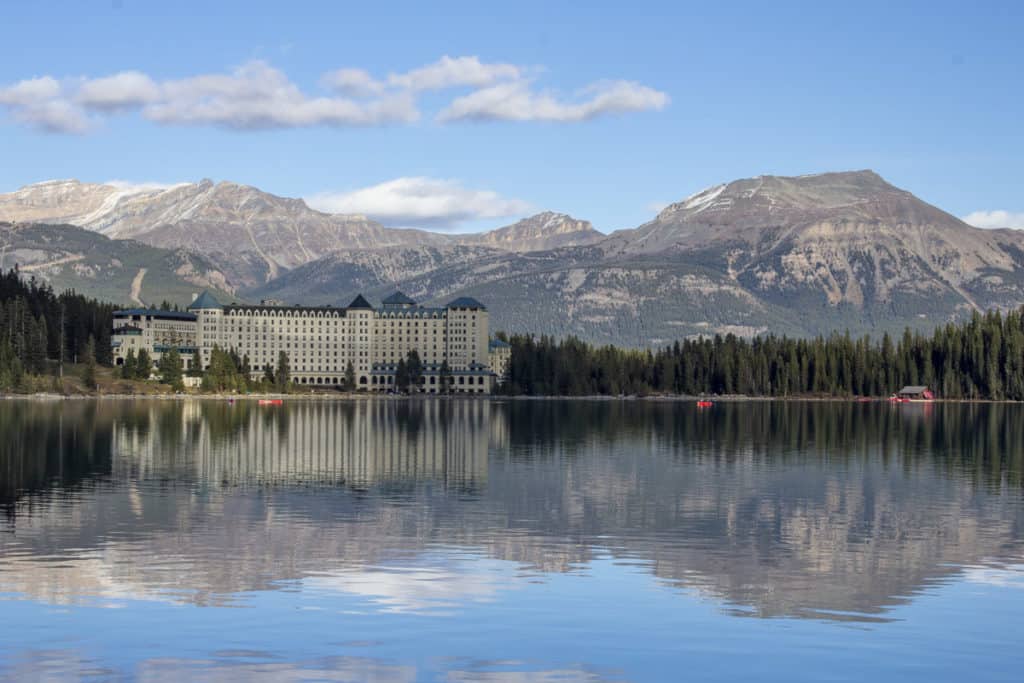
(851, 237)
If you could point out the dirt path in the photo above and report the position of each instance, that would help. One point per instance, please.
(270, 263)
(137, 287)
(56, 262)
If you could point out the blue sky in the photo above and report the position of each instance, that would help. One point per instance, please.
(605, 111)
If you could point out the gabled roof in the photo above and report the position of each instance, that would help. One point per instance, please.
(465, 302)
(359, 302)
(399, 299)
(204, 301)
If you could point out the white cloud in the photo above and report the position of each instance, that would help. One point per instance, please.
(419, 201)
(419, 589)
(124, 90)
(353, 82)
(39, 103)
(454, 72)
(30, 91)
(55, 116)
(995, 219)
(515, 101)
(258, 96)
(1001, 577)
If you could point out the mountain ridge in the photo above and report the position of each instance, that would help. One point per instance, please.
(796, 254)
(121, 271)
(256, 236)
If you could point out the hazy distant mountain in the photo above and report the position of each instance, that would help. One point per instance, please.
(123, 271)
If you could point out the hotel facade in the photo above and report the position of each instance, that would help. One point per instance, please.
(321, 341)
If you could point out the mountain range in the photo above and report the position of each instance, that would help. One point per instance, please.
(797, 255)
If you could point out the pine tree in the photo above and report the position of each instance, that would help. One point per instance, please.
(402, 376)
(130, 366)
(89, 359)
(350, 377)
(282, 377)
(414, 367)
(143, 365)
(445, 377)
(170, 369)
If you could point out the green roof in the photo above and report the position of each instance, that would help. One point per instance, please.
(399, 299)
(204, 301)
(359, 302)
(465, 302)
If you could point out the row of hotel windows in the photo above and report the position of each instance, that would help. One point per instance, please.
(333, 316)
(247, 320)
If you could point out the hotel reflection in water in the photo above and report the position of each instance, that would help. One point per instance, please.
(355, 444)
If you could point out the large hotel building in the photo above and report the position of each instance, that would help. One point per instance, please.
(321, 341)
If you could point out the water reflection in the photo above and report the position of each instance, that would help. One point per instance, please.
(825, 510)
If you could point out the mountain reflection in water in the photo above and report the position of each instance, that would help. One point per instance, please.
(824, 510)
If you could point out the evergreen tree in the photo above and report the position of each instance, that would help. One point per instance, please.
(130, 366)
(143, 365)
(283, 375)
(414, 367)
(350, 377)
(89, 360)
(444, 377)
(402, 376)
(170, 369)
(224, 373)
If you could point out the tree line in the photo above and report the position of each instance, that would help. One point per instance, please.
(40, 330)
(982, 357)
(228, 372)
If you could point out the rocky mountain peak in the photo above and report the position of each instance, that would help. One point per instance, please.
(545, 230)
(770, 193)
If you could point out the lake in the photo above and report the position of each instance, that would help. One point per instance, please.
(510, 541)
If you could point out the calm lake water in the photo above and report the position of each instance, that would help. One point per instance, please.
(510, 541)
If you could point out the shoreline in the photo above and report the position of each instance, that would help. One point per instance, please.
(367, 396)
